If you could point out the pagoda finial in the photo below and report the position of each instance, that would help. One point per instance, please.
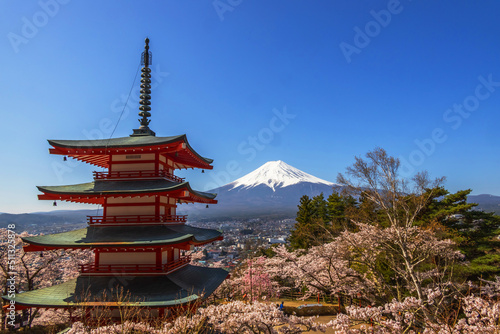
(146, 60)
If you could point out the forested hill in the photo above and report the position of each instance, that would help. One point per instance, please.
(488, 203)
(47, 222)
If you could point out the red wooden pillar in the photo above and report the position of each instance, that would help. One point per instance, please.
(157, 207)
(170, 255)
(157, 162)
(105, 208)
(158, 257)
(110, 163)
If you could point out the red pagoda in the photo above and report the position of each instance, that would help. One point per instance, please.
(139, 242)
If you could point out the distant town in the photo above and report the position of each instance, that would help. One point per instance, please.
(242, 239)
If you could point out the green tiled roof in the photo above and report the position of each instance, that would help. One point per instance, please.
(117, 142)
(138, 141)
(183, 286)
(115, 236)
(122, 187)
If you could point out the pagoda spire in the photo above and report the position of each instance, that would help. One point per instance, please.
(145, 96)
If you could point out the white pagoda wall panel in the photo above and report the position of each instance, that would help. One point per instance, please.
(127, 258)
(145, 209)
(150, 166)
(134, 157)
(128, 200)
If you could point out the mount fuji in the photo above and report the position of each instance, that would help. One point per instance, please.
(273, 191)
(276, 175)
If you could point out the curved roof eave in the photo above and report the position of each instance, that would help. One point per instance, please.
(125, 236)
(125, 142)
(120, 187)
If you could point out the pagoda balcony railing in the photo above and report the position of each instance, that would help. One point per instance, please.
(136, 219)
(139, 174)
(92, 268)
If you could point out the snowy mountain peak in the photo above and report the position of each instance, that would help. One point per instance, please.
(276, 174)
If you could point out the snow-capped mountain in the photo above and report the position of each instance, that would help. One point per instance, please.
(275, 174)
(272, 190)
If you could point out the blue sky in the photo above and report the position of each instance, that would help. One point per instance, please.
(312, 83)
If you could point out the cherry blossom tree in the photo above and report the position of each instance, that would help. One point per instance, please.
(41, 269)
(253, 280)
(232, 318)
(322, 269)
(481, 314)
(394, 317)
(397, 203)
(36, 270)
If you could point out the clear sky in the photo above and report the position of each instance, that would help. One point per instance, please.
(312, 83)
